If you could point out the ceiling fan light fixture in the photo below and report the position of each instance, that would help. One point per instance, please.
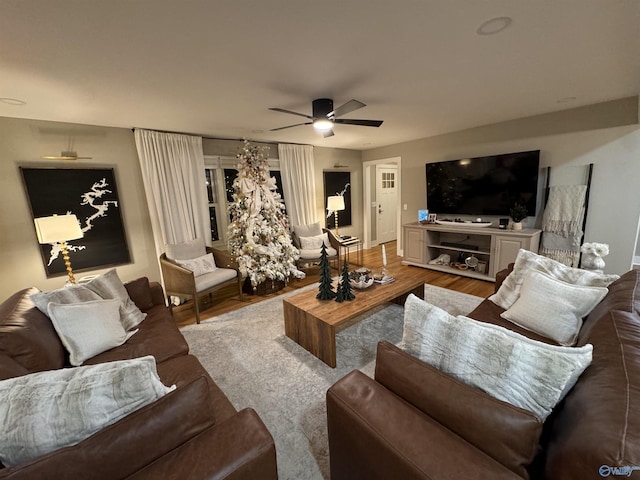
(322, 124)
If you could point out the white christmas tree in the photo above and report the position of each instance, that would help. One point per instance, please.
(259, 237)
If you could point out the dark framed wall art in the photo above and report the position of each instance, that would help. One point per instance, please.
(338, 183)
(92, 195)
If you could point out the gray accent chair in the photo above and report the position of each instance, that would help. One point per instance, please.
(309, 249)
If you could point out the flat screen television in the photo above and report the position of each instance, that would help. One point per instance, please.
(488, 185)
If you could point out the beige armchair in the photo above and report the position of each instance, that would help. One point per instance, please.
(187, 274)
(309, 238)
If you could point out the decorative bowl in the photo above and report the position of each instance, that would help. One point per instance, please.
(361, 278)
(362, 284)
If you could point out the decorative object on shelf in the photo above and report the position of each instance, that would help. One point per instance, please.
(471, 262)
(432, 218)
(504, 222)
(335, 204)
(57, 230)
(442, 259)
(423, 216)
(344, 287)
(91, 194)
(325, 290)
(259, 238)
(518, 213)
(592, 254)
(462, 223)
(361, 278)
(481, 267)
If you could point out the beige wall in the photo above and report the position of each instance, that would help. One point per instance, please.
(614, 208)
(23, 143)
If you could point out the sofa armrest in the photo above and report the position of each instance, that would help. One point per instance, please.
(157, 294)
(502, 274)
(504, 432)
(239, 448)
(131, 443)
(375, 435)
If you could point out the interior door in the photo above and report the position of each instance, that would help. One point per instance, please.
(387, 198)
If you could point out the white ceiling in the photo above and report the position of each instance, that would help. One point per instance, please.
(214, 67)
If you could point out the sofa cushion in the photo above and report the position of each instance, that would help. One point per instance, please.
(531, 375)
(109, 286)
(158, 335)
(315, 254)
(45, 411)
(89, 328)
(553, 308)
(139, 291)
(215, 277)
(27, 335)
(9, 368)
(504, 432)
(597, 424)
(199, 265)
(526, 261)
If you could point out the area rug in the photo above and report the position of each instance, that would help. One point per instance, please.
(257, 366)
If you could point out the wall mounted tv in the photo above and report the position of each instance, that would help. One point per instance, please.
(488, 185)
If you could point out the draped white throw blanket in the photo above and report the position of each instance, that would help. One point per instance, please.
(562, 223)
(298, 182)
(173, 175)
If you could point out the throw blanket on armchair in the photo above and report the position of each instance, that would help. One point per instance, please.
(562, 223)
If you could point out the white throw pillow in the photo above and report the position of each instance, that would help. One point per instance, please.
(89, 328)
(526, 261)
(70, 294)
(315, 242)
(553, 308)
(199, 266)
(531, 375)
(109, 286)
(45, 411)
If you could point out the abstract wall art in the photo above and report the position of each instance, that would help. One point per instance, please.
(92, 195)
(338, 183)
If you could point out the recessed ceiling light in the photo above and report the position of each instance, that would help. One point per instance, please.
(494, 25)
(257, 131)
(566, 100)
(12, 101)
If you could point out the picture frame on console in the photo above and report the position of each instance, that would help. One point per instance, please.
(92, 195)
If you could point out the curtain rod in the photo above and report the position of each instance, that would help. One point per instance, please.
(219, 138)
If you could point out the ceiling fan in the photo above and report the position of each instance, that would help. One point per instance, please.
(325, 116)
(66, 155)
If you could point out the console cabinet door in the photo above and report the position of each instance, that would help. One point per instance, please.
(414, 247)
(506, 250)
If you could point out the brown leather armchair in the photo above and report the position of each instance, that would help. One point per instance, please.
(181, 282)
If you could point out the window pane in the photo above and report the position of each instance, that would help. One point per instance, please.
(230, 175)
(214, 224)
(212, 193)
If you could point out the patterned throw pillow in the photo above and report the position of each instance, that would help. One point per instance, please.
(45, 411)
(526, 373)
(553, 308)
(199, 266)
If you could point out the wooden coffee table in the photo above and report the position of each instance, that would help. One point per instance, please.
(313, 323)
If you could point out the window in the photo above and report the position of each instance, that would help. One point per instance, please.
(220, 172)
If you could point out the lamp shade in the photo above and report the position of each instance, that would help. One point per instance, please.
(335, 203)
(57, 228)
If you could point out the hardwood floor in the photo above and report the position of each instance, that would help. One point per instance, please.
(226, 300)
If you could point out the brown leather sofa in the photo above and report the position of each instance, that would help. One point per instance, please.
(414, 422)
(193, 432)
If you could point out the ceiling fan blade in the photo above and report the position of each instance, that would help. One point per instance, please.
(289, 126)
(292, 113)
(362, 123)
(328, 133)
(348, 107)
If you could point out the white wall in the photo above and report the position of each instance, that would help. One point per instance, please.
(614, 208)
(23, 143)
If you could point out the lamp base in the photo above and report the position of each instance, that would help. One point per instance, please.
(67, 262)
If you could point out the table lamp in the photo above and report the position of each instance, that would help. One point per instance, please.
(335, 204)
(59, 229)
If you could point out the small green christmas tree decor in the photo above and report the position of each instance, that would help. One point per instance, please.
(344, 287)
(259, 236)
(325, 291)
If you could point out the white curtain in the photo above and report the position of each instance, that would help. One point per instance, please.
(298, 182)
(174, 183)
